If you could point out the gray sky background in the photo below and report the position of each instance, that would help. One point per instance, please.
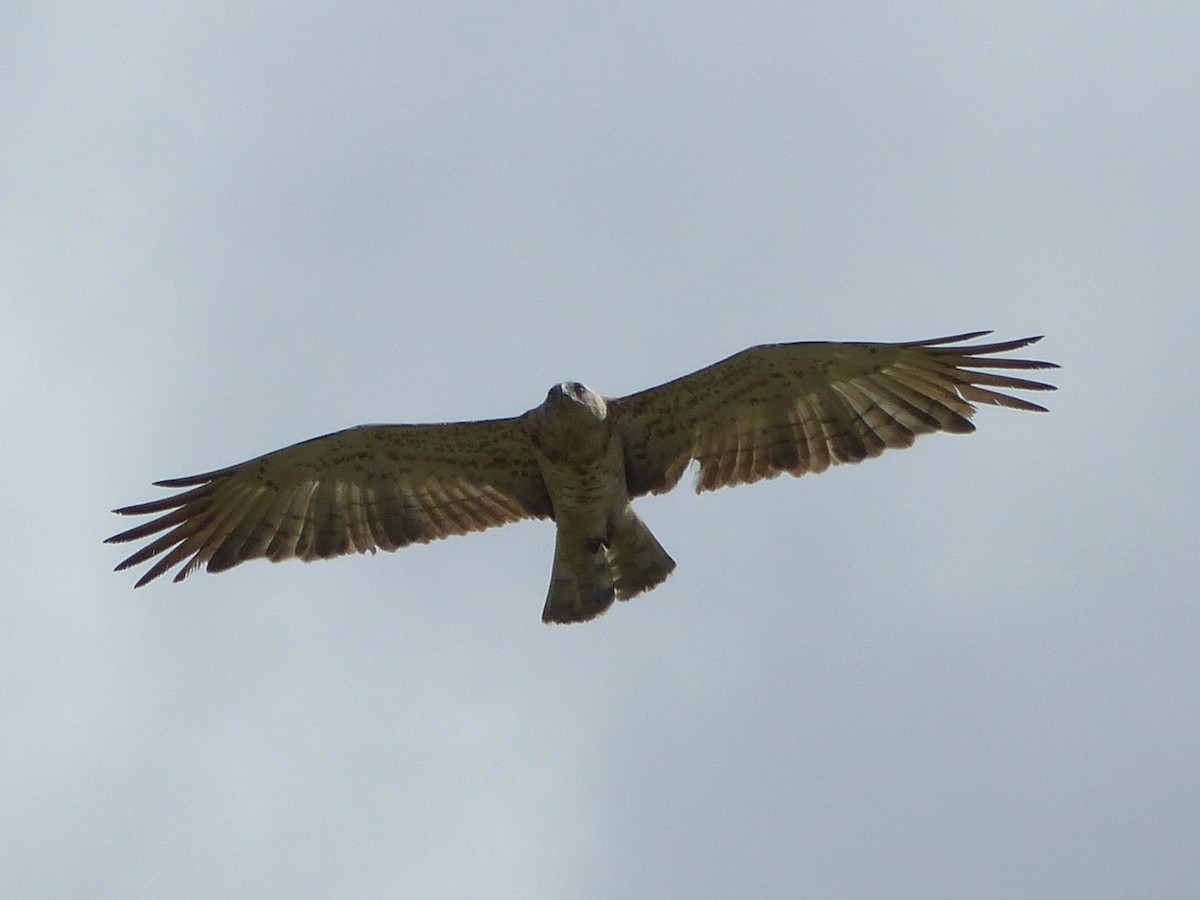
(968, 669)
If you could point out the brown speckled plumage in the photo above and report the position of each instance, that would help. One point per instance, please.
(579, 459)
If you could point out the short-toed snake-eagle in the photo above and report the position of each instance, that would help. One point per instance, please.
(579, 459)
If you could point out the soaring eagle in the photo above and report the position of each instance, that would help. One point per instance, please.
(579, 459)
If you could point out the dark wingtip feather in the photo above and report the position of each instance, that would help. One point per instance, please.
(998, 346)
(141, 509)
(185, 481)
(948, 339)
(148, 577)
(194, 480)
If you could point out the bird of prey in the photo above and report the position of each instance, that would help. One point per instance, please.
(579, 459)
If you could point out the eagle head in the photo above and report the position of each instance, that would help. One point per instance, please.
(571, 398)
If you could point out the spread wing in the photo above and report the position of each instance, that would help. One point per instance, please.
(803, 407)
(351, 491)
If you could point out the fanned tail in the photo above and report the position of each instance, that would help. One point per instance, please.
(587, 576)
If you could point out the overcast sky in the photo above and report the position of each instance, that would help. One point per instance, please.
(971, 668)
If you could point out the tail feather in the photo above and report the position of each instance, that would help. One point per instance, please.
(638, 559)
(581, 582)
(588, 575)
